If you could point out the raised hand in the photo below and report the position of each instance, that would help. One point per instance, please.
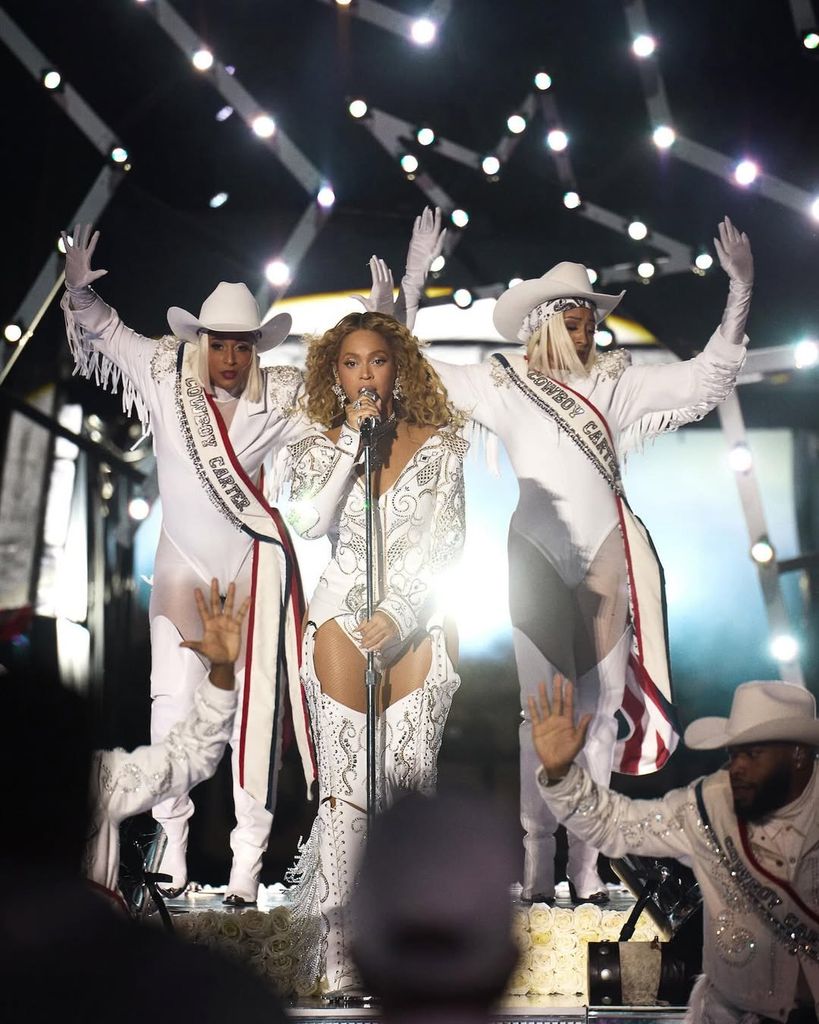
(78, 253)
(222, 630)
(734, 253)
(380, 299)
(556, 738)
(426, 244)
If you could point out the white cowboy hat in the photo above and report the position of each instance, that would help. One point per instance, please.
(760, 712)
(228, 308)
(563, 281)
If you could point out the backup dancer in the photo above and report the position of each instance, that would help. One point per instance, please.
(214, 414)
(585, 586)
(418, 521)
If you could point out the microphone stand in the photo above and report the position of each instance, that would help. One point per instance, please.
(366, 430)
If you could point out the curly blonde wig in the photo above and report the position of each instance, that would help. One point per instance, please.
(551, 350)
(423, 400)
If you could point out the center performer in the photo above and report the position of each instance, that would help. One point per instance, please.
(370, 365)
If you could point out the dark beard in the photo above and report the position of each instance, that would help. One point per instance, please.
(768, 797)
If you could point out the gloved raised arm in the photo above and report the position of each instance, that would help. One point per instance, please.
(426, 243)
(736, 259)
(381, 298)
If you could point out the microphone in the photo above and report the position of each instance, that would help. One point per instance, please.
(368, 422)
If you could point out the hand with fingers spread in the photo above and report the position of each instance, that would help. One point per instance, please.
(376, 632)
(78, 253)
(556, 737)
(426, 244)
(380, 299)
(734, 253)
(222, 633)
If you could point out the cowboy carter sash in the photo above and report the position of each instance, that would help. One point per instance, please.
(273, 648)
(647, 713)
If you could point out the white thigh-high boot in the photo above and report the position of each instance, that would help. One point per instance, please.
(175, 676)
(251, 834)
(598, 692)
(539, 824)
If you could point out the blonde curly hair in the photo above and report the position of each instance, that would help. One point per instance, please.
(423, 400)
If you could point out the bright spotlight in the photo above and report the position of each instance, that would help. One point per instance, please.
(571, 200)
(704, 261)
(52, 79)
(343, 3)
(745, 172)
(462, 297)
(425, 136)
(13, 332)
(423, 31)
(357, 108)
(490, 165)
(202, 60)
(603, 339)
(460, 218)
(513, 281)
(516, 124)
(138, 509)
(784, 647)
(643, 46)
(646, 270)
(762, 551)
(437, 264)
(409, 163)
(543, 81)
(263, 125)
(277, 273)
(119, 154)
(805, 353)
(223, 113)
(218, 200)
(740, 458)
(61, 244)
(814, 208)
(637, 230)
(325, 197)
(810, 40)
(593, 275)
(664, 136)
(557, 140)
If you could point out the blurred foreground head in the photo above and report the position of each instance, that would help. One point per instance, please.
(432, 910)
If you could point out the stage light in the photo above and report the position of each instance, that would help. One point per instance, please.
(704, 261)
(343, 3)
(571, 200)
(557, 140)
(437, 264)
(762, 551)
(810, 40)
(325, 197)
(784, 647)
(513, 281)
(460, 218)
(516, 124)
(593, 275)
(462, 298)
(646, 270)
(745, 172)
(805, 353)
(423, 31)
(740, 458)
(138, 509)
(409, 163)
(637, 230)
(543, 81)
(13, 332)
(52, 79)
(202, 60)
(814, 208)
(224, 113)
(643, 46)
(218, 200)
(490, 165)
(263, 125)
(230, 69)
(277, 273)
(119, 154)
(61, 244)
(425, 136)
(664, 136)
(357, 108)
(603, 338)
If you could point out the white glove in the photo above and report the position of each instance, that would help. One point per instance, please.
(426, 244)
(380, 299)
(734, 253)
(78, 272)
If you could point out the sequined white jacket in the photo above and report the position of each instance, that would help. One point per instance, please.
(125, 783)
(752, 968)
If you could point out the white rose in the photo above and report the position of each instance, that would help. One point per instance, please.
(564, 942)
(521, 982)
(587, 916)
(562, 919)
